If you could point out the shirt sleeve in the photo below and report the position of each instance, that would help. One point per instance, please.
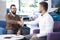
(48, 28)
(36, 21)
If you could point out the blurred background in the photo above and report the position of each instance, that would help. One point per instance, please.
(28, 11)
(26, 7)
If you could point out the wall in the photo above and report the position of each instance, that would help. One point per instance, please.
(2, 10)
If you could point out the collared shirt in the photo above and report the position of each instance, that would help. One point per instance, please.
(45, 24)
(11, 22)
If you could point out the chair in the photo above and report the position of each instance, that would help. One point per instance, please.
(2, 24)
(2, 27)
(54, 36)
(56, 26)
(56, 32)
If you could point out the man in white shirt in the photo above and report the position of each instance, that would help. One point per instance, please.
(45, 22)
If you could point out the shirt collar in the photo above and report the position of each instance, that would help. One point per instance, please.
(45, 14)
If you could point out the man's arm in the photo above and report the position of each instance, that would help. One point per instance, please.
(36, 21)
(21, 23)
(45, 29)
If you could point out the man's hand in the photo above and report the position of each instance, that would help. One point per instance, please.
(20, 23)
(18, 33)
(34, 36)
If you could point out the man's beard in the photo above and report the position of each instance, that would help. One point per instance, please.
(40, 11)
(14, 13)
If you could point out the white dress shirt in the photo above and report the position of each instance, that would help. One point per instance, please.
(45, 24)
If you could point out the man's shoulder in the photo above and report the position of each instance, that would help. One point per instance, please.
(7, 14)
(49, 17)
(18, 16)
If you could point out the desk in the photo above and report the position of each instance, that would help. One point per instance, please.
(11, 37)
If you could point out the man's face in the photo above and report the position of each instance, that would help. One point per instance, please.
(41, 8)
(13, 9)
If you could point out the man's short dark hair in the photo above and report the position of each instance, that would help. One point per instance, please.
(12, 5)
(45, 5)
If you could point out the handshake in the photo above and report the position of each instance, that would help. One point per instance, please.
(21, 23)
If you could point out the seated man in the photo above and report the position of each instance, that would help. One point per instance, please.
(45, 22)
(13, 21)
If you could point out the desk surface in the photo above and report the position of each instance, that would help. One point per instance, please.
(11, 37)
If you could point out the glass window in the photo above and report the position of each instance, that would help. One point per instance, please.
(56, 4)
(28, 5)
(24, 6)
